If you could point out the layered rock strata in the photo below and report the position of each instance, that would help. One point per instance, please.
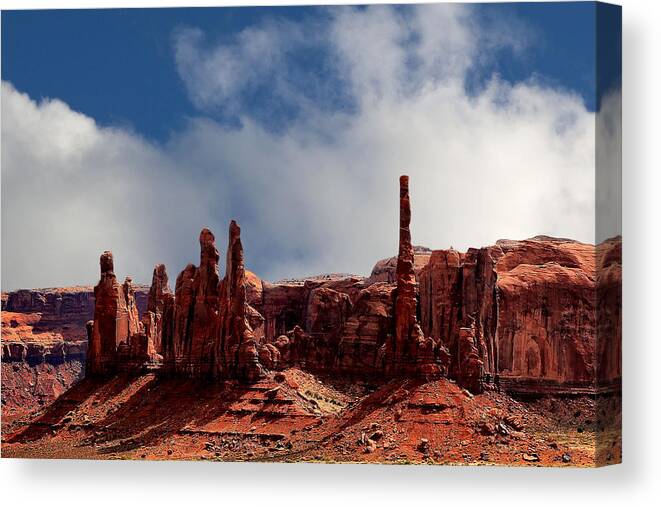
(44, 343)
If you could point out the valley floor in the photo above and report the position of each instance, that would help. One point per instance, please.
(295, 416)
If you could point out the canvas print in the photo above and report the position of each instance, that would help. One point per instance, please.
(333, 234)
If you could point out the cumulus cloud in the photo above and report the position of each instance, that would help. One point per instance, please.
(318, 194)
(71, 190)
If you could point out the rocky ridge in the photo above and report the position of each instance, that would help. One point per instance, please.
(518, 313)
(538, 315)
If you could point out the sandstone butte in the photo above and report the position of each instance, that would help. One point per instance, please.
(536, 315)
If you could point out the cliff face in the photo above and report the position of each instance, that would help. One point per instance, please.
(458, 307)
(547, 314)
(44, 342)
(51, 327)
(49, 320)
(533, 306)
(385, 270)
(62, 311)
(609, 312)
(365, 332)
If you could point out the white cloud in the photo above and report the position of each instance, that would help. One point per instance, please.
(71, 190)
(320, 195)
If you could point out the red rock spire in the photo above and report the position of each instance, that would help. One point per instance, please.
(408, 351)
(115, 319)
(238, 348)
(190, 339)
(159, 294)
(405, 307)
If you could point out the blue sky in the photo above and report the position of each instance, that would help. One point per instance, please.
(295, 121)
(117, 66)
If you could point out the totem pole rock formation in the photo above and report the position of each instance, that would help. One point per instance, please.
(532, 315)
(237, 355)
(159, 293)
(188, 346)
(115, 319)
(409, 351)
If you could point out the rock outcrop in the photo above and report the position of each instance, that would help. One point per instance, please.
(547, 311)
(609, 312)
(534, 308)
(237, 354)
(44, 343)
(188, 347)
(385, 270)
(470, 368)
(283, 307)
(159, 296)
(540, 315)
(366, 330)
(307, 319)
(115, 319)
(408, 351)
(52, 353)
(52, 315)
(458, 291)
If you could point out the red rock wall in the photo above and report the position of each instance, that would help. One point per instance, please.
(57, 314)
(459, 290)
(534, 304)
(547, 319)
(538, 312)
(44, 343)
(609, 311)
(365, 332)
(283, 307)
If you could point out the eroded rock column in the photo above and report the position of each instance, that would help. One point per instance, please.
(152, 320)
(237, 355)
(190, 335)
(115, 319)
(408, 351)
